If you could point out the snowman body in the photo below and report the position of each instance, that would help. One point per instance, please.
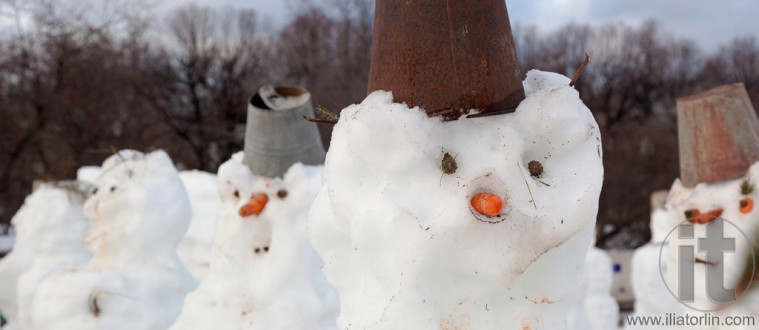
(135, 280)
(401, 241)
(263, 272)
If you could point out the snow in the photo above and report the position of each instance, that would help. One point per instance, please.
(18, 260)
(7, 241)
(263, 273)
(602, 309)
(195, 248)
(705, 197)
(89, 174)
(59, 227)
(400, 241)
(649, 267)
(139, 213)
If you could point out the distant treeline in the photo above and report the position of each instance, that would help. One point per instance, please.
(77, 80)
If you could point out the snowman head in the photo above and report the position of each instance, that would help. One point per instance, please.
(140, 209)
(59, 210)
(699, 207)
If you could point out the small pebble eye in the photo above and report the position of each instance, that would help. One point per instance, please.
(113, 188)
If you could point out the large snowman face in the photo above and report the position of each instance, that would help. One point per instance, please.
(140, 209)
(392, 225)
(732, 200)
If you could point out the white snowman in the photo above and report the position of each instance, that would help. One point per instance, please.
(649, 268)
(139, 213)
(59, 227)
(711, 209)
(263, 273)
(50, 227)
(496, 241)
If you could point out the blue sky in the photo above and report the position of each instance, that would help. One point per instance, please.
(708, 22)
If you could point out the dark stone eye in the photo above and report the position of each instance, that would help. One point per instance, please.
(95, 191)
(113, 188)
(237, 193)
(282, 193)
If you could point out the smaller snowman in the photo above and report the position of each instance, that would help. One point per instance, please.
(50, 228)
(714, 199)
(263, 272)
(59, 227)
(139, 213)
(598, 310)
(649, 266)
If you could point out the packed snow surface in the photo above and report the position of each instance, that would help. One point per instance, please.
(195, 248)
(263, 273)
(401, 242)
(139, 213)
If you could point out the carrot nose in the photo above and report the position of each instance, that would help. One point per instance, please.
(255, 206)
(487, 204)
(695, 216)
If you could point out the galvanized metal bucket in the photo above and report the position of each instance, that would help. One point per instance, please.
(276, 135)
(718, 134)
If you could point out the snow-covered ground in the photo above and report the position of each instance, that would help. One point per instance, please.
(263, 274)
(402, 241)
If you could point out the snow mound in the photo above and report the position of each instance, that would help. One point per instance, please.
(195, 248)
(404, 247)
(263, 273)
(139, 213)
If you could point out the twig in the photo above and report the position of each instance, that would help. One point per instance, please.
(320, 121)
(528, 186)
(492, 113)
(579, 70)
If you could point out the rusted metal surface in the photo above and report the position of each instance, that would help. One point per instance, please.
(718, 133)
(446, 56)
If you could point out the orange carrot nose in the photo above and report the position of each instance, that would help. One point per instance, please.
(487, 204)
(694, 216)
(746, 205)
(255, 206)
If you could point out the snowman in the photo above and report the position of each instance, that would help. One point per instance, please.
(195, 248)
(649, 266)
(59, 227)
(50, 228)
(263, 272)
(714, 199)
(598, 310)
(139, 213)
(500, 241)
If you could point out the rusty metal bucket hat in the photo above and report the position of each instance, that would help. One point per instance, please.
(276, 135)
(446, 56)
(718, 133)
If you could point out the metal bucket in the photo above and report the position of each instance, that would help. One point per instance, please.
(276, 135)
(446, 56)
(718, 134)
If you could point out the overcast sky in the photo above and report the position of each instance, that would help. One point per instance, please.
(708, 22)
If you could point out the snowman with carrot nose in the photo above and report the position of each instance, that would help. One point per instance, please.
(263, 272)
(713, 200)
